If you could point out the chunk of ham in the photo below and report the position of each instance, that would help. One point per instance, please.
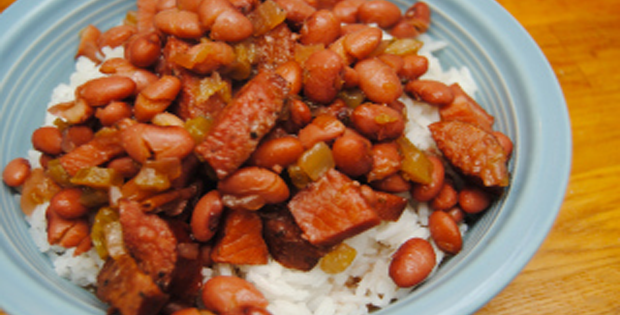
(243, 123)
(332, 209)
(240, 240)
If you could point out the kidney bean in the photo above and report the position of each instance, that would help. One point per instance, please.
(473, 199)
(300, 113)
(229, 294)
(143, 50)
(206, 216)
(16, 172)
(446, 198)
(166, 5)
(352, 154)
(208, 11)
(346, 10)
(67, 203)
(297, 11)
(351, 78)
(278, 153)
(102, 91)
(76, 136)
(48, 140)
(430, 91)
(324, 127)
(155, 98)
(394, 183)
(123, 67)
(426, 192)
(126, 166)
(363, 42)
(457, 214)
(386, 161)
(324, 70)
(116, 36)
(292, 72)
(378, 122)
(445, 232)
(76, 235)
(75, 112)
(139, 140)
(346, 29)
(252, 187)
(385, 13)
(419, 15)
(404, 29)
(412, 263)
(504, 141)
(113, 112)
(88, 46)
(322, 27)
(394, 61)
(379, 81)
(179, 23)
(189, 5)
(414, 66)
(167, 119)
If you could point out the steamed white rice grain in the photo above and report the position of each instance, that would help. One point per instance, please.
(365, 282)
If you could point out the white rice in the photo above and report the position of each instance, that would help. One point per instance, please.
(291, 291)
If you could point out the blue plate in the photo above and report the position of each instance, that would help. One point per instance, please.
(517, 86)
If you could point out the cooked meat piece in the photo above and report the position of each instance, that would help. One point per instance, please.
(243, 123)
(388, 206)
(104, 147)
(285, 242)
(275, 47)
(201, 96)
(240, 239)
(123, 285)
(472, 150)
(332, 209)
(150, 241)
(464, 108)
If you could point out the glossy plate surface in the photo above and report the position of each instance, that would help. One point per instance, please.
(517, 86)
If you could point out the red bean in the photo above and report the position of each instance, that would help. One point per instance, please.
(113, 113)
(206, 216)
(394, 183)
(126, 166)
(102, 91)
(346, 10)
(394, 61)
(143, 50)
(323, 77)
(386, 161)
(414, 66)
(412, 263)
(47, 140)
(378, 122)
(252, 187)
(404, 29)
(352, 154)
(430, 91)
(419, 15)
(116, 36)
(379, 81)
(446, 198)
(362, 43)
(76, 136)
(155, 98)
(66, 203)
(141, 140)
(457, 214)
(297, 11)
(292, 72)
(228, 294)
(445, 232)
(322, 27)
(16, 172)
(385, 13)
(473, 199)
(278, 153)
(182, 24)
(300, 113)
(426, 192)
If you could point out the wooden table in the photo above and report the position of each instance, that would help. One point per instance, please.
(577, 269)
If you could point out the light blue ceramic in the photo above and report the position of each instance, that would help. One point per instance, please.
(38, 40)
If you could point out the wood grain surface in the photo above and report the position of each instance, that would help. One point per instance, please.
(577, 269)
